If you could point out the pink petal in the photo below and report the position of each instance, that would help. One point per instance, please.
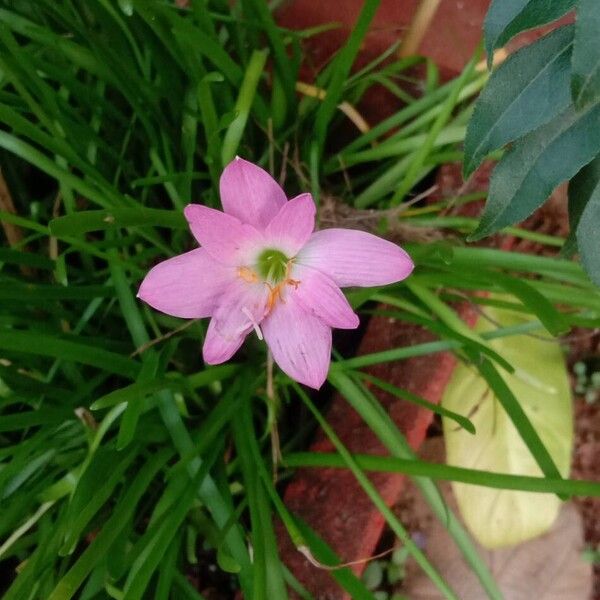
(224, 237)
(299, 341)
(187, 286)
(241, 307)
(290, 229)
(318, 295)
(250, 193)
(355, 258)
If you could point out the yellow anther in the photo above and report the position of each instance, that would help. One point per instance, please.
(248, 275)
(275, 290)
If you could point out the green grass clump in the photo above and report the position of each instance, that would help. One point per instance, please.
(124, 460)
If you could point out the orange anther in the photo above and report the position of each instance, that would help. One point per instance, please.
(248, 275)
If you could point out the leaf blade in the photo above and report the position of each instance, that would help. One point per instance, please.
(529, 172)
(507, 18)
(526, 91)
(585, 82)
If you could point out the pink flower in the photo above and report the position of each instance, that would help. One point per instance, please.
(261, 267)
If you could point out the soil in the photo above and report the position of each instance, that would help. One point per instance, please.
(586, 465)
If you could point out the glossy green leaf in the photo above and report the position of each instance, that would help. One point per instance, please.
(541, 385)
(588, 239)
(581, 188)
(526, 91)
(498, 18)
(158, 535)
(507, 18)
(585, 83)
(540, 161)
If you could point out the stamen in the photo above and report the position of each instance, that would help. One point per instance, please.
(274, 293)
(248, 275)
(255, 325)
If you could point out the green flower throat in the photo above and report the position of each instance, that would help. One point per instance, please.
(272, 265)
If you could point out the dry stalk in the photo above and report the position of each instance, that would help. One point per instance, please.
(335, 213)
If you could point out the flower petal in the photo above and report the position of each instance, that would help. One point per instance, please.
(299, 341)
(290, 229)
(187, 286)
(242, 307)
(250, 193)
(224, 237)
(355, 258)
(318, 295)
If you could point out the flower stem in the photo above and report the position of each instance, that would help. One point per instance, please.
(273, 410)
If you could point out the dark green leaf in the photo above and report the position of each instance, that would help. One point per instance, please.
(33, 418)
(28, 259)
(497, 19)
(581, 188)
(462, 421)
(121, 515)
(97, 220)
(530, 171)
(585, 83)
(93, 489)
(588, 239)
(48, 345)
(507, 18)
(528, 90)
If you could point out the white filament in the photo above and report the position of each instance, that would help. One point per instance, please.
(253, 322)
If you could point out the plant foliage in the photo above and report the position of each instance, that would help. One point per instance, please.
(128, 468)
(545, 102)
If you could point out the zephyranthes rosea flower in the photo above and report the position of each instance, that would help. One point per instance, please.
(262, 267)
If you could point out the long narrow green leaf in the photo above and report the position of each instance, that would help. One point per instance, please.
(96, 551)
(382, 425)
(48, 345)
(419, 468)
(378, 501)
(98, 220)
(234, 132)
(340, 70)
(519, 418)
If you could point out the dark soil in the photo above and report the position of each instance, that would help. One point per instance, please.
(587, 466)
